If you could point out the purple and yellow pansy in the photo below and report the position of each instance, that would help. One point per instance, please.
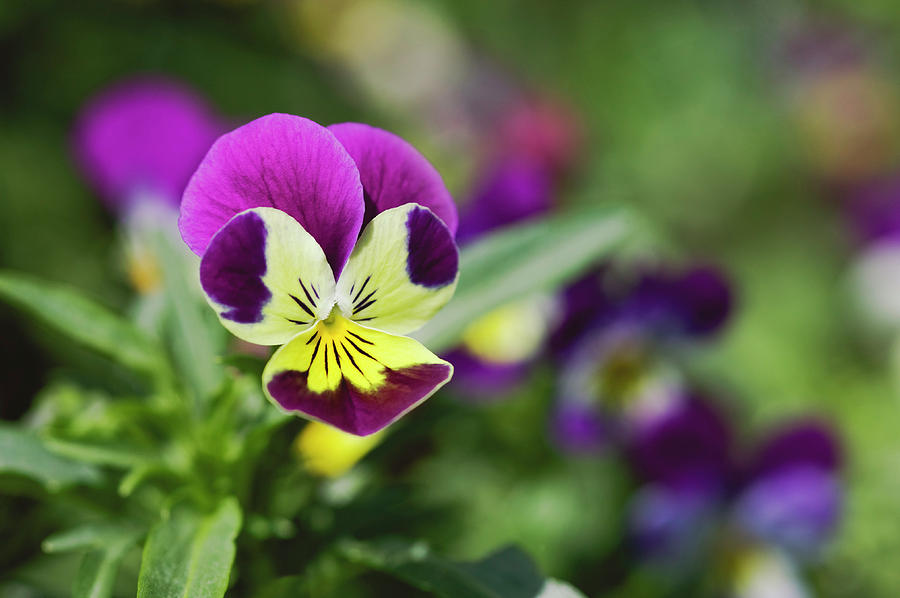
(333, 243)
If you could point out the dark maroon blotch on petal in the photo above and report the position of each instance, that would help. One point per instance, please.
(433, 259)
(353, 410)
(232, 269)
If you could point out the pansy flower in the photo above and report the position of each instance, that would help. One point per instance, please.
(615, 346)
(333, 243)
(786, 496)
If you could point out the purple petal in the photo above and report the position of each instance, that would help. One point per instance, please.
(143, 136)
(587, 305)
(796, 508)
(704, 300)
(393, 173)
(266, 277)
(432, 258)
(511, 191)
(688, 446)
(804, 443)
(280, 161)
(233, 266)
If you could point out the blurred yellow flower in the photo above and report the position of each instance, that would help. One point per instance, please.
(328, 452)
(511, 333)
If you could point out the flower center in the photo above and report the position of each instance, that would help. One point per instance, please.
(332, 319)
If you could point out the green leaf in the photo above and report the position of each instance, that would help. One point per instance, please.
(69, 312)
(189, 554)
(97, 573)
(197, 339)
(522, 260)
(23, 453)
(98, 534)
(507, 573)
(113, 455)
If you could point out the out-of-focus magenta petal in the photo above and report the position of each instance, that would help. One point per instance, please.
(143, 136)
(393, 173)
(509, 192)
(281, 161)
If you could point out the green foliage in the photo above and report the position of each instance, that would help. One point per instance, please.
(507, 573)
(22, 452)
(197, 339)
(79, 318)
(97, 574)
(189, 553)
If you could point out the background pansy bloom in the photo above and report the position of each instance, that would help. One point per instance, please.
(617, 345)
(142, 138)
(275, 209)
(787, 496)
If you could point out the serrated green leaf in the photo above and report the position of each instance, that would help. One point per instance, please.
(507, 573)
(71, 313)
(23, 453)
(189, 554)
(523, 260)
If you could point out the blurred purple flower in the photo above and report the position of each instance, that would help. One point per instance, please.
(511, 191)
(788, 496)
(688, 448)
(667, 304)
(611, 342)
(143, 137)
